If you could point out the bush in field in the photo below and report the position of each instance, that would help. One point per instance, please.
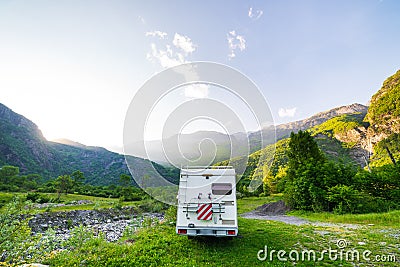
(170, 215)
(38, 198)
(15, 235)
(344, 198)
(383, 182)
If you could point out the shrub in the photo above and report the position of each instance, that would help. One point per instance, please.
(37, 198)
(15, 235)
(343, 198)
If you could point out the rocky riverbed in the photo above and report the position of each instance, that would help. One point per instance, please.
(111, 222)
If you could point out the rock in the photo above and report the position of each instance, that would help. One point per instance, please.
(111, 222)
(273, 208)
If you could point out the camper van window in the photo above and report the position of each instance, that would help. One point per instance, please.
(221, 188)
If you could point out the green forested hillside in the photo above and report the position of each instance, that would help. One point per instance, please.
(384, 118)
(384, 110)
(381, 156)
(340, 124)
(347, 138)
(23, 145)
(267, 163)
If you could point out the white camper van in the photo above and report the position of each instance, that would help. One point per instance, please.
(207, 202)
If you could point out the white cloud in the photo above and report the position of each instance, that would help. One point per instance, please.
(235, 42)
(167, 58)
(158, 34)
(287, 112)
(255, 14)
(196, 91)
(171, 55)
(184, 43)
(141, 19)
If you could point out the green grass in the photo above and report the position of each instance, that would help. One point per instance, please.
(98, 202)
(160, 246)
(5, 198)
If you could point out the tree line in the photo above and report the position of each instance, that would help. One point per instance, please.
(311, 182)
(11, 180)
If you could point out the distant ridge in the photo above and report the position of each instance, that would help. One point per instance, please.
(190, 142)
(23, 145)
(323, 116)
(68, 142)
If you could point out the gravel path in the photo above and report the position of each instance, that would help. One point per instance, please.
(280, 218)
(293, 220)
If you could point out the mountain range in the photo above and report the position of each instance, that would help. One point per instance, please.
(354, 134)
(23, 145)
(198, 149)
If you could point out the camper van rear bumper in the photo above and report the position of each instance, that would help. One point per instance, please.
(225, 231)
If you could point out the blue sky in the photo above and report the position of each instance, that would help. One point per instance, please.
(73, 66)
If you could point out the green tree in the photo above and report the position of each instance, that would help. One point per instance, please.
(125, 180)
(77, 179)
(314, 183)
(275, 183)
(303, 149)
(305, 185)
(126, 190)
(381, 182)
(344, 198)
(7, 173)
(63, 184)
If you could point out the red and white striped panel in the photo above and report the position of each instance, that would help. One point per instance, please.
(204, 212)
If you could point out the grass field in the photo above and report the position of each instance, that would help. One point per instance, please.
(97, 202)
(388, 219)
(160, 246)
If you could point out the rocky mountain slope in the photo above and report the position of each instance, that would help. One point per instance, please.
(384, 119)
(322, 117)
(199, 144)
(348, 133)
(352, 134)
(23, 145)
(384, 112)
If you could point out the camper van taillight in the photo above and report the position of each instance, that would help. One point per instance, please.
(182, 231)
(230, 232)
